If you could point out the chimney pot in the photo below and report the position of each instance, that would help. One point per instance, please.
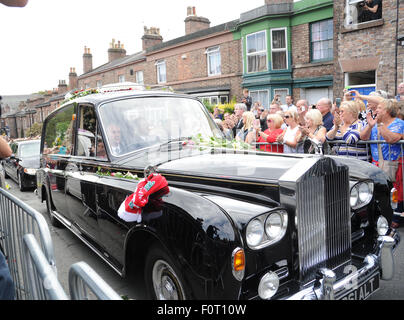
(116, 51)
(87, 60)
(151, 37)
(194, 23)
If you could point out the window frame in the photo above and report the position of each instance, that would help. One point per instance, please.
(74, 129)
(121, 78)
(79, 118)
(137, 78)
(257, 52)
(265, 105)
(215, 50)
(159, 64)
(280, 50)
(319, 41)
(282, 89)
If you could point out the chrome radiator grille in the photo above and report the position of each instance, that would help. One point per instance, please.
(323, 219)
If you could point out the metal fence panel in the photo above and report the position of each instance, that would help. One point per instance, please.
(83, 278)
(42, 283)
(16, 220)
(341, 145)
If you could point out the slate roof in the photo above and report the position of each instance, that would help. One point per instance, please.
(115, 63)
(142, 54)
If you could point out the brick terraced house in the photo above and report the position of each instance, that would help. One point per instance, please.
(205, 62)
(369, 53)
(308, 48)
(288, 50)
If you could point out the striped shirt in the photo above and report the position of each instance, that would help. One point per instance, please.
(346, 143)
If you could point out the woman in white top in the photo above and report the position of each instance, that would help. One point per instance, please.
(247, 133)
(292, 135)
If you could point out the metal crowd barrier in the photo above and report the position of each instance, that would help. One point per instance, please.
(27, 244)
(83, 278)
(16, 220)
(340, 144)
(42, 282)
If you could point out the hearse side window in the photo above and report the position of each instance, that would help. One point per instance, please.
(86, 132)
(59, 132)
(101, 153)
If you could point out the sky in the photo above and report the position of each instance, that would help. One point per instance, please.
(40, 42)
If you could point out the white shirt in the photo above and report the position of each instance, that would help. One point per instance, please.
(289, 137)
(285, 107)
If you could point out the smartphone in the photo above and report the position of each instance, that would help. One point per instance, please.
(338, 102)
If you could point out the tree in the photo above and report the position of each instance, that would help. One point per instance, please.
(35, 130)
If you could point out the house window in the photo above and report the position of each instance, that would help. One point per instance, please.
(279, 49)
(261, 96)
(99, 84)
(257, 52)
(161, 71)
(362, 78)
(214, 100)
(214, 61)
(322, 40)
(355, 12)
(224, 99)
(282, 94)
(121, 78)
(139, 77)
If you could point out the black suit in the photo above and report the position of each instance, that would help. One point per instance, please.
(238, 127)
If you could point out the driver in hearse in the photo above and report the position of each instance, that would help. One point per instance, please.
(114, 137)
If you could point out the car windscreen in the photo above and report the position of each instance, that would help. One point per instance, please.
(137, 123)
(27, 150)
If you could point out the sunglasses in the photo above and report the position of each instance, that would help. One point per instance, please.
(269, 120)
(287, 117)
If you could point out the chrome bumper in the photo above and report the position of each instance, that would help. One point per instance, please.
(326, 287)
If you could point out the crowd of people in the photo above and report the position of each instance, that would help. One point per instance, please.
(340, 128)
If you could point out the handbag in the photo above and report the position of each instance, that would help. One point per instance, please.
(389, 167)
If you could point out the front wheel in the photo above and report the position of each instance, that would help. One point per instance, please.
(20, 182)
(163, 280)
(55, 222)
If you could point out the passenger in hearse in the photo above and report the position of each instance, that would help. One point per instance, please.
(115, 141)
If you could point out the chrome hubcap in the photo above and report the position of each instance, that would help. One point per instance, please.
(166, 283)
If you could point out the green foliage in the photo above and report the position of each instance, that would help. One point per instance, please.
(35, 130)
(121, 175)
(208, 106)
(57, 127)
(202, 142)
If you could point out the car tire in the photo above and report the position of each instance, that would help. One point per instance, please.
(162, 277)
(20, 182)
(54, 222)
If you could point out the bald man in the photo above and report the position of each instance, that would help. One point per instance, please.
(400, 92)
(324, 105)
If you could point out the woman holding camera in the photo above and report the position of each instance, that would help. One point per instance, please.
(346, 131)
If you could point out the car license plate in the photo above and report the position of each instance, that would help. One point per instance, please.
(365, 290)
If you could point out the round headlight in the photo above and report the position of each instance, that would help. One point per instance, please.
(255, 233)
(364, 192)
(268, 285)
(382, 226)
(273, 225)
(354, 196)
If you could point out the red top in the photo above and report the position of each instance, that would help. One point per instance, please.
(272, 135)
